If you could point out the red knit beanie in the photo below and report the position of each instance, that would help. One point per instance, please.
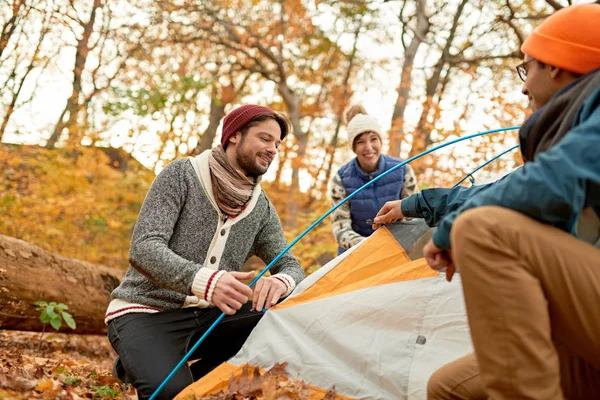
(568, 39)
(238, 118)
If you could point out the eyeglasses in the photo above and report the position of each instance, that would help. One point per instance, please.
(522, 69)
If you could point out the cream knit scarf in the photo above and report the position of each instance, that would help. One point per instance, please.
(232, 188)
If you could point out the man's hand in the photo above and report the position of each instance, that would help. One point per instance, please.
(230, 294)
(389, 213)
(267, 293)
(439, 259)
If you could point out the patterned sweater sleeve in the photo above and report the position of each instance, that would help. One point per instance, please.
(410, 183)
(150, 253)
(341, 220)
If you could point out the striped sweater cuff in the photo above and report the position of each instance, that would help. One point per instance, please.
(205, 282)
(212, 284)
(288, 281)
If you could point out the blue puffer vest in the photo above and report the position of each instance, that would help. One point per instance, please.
(367, 203)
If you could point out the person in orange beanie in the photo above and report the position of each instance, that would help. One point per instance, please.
(527, 247)
(565, 46)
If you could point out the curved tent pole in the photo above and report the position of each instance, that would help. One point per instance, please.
(470, 175)
(311, 227)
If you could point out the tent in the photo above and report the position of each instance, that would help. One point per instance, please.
(376, 322)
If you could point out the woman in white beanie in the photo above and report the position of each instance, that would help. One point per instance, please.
(350, 225)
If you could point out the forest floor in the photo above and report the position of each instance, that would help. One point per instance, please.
(58, 366)
(72, 367)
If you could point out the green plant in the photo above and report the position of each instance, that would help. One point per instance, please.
(105, 391)
(55, 313)
(72, 381)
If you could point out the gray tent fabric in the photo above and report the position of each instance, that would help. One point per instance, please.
(377, 335)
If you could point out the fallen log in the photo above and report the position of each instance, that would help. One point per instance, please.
(29, 273)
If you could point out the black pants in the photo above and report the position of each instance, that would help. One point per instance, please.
(151, 345)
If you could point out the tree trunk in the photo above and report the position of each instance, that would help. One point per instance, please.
(220, 98)
(331, 150)
(334, 140)
(11, 25)
(217, 112)
(29, 273)
(15, 95)
(396, 134)
(292, 206)
(283, 157)
(291, 100)
(422, 135)
(74, 103)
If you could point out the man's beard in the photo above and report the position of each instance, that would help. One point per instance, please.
(247, 162)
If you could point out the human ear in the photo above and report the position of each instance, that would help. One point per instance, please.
(236, 138)
(555, 72)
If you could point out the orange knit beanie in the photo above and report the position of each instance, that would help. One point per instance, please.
(568, 39)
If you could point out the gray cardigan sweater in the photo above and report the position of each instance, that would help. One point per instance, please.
(182, 243)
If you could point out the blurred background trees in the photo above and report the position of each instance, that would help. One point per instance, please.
(154, 79)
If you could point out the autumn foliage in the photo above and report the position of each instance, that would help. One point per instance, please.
(67, 367)
(80, 203)
(76, 367)
(99, 96)
(274, 384)
(71, 201)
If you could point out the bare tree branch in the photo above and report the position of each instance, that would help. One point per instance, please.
(396, 133)
(11, 25)
(510, 22)
(478, 60)
(74, 102)
(257, 43)
(404, 24)
(16, 93)
(555, 4)
(421, 138)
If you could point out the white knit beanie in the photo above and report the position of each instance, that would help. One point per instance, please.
(359, 122)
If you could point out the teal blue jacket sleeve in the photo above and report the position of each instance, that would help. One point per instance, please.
(555, 187)
(433, 204)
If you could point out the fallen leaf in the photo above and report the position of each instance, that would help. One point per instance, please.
(246, 386)
(39, 373)
(330, 395)
(107, 380)
(52, 393)
(25, 254)
(44, 385)
(8, 394)
(269, 388)
(294, 389)
(10, 253)
(17, 383)
(41, 360)
(277, 370)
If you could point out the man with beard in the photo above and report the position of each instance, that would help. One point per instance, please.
(202, 218)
